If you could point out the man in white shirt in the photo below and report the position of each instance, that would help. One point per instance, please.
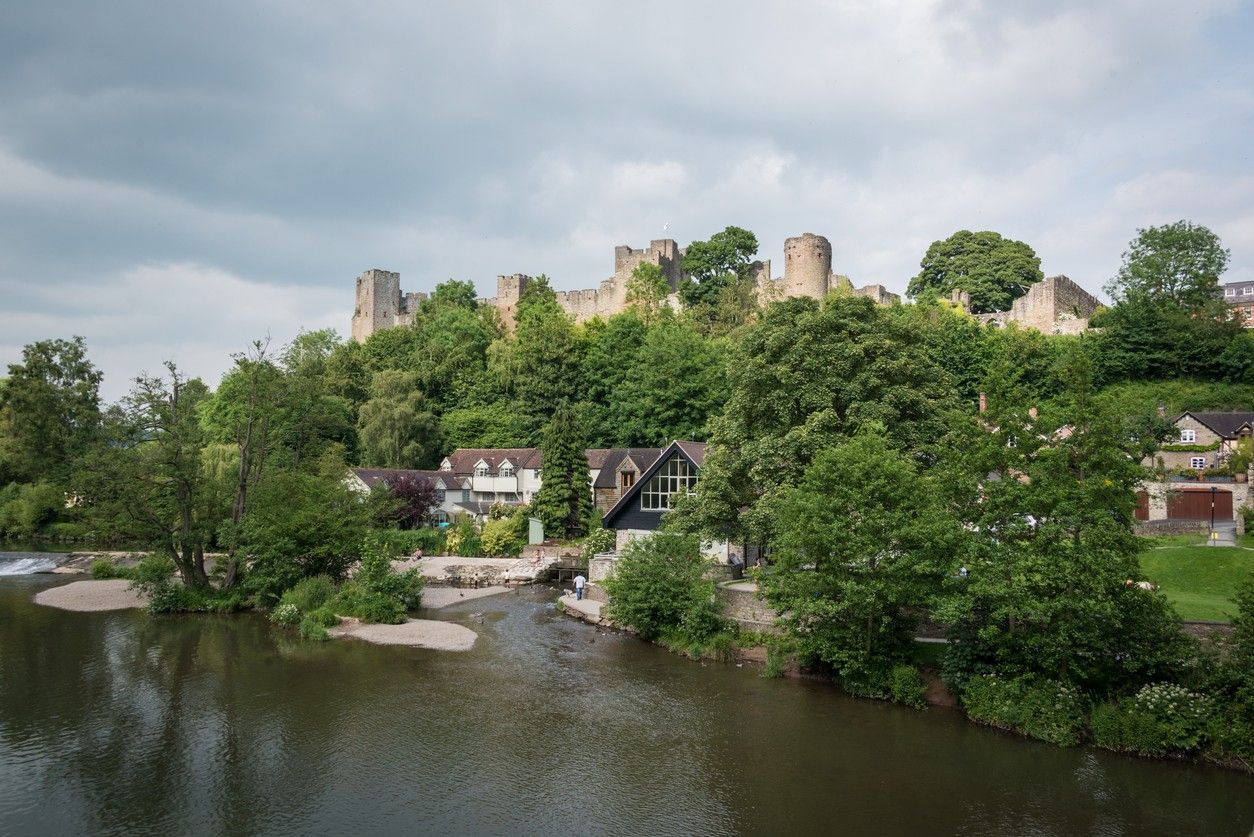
(580, 581)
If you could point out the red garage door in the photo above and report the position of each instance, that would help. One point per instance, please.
(1142, 505)
(1194, 504)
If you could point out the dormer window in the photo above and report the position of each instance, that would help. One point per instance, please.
(481, 470)
(627, 479)
(1188, 435)
(1247, 290)
(1230, 292)
(506, 470)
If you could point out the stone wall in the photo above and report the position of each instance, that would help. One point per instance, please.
(742, 605)
(807, 272)
(1056, 305)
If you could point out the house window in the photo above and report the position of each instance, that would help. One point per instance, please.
(1188, 436)
(481, 470)
(627, 479)
(675, 477)
(1012, 442)
(507, 471)
(1230, 292)
(1247, 290)
(1197, 462)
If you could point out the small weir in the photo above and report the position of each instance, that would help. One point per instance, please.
(26, 563)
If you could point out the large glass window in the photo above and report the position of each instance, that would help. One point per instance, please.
(675, 477)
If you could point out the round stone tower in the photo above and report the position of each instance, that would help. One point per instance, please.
(807, 265)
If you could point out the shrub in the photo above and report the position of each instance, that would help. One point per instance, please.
(309, 629)
(598, 541)
(324, 617)
(463, 540)
(906, 686)
(153, 569)
(285, 614)
(1162, 719)
(369, 606)
(167, 597)
(660, 584)
(103, 568)
(407, 541)
(500, 538)
(1037, 708)
(309, 594)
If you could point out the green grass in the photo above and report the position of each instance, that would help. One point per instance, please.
(1200, 581)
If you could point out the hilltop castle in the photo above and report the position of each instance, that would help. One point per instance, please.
(1057, 304)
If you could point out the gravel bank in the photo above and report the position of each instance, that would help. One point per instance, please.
(437, 597)
(111, 594)
(421, 633)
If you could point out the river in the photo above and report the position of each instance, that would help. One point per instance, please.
(122, 723)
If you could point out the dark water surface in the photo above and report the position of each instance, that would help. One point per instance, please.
(121, 723)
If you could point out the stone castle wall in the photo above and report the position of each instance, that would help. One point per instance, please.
(1055, 306)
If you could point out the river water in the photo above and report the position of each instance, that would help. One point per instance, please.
(122, 723)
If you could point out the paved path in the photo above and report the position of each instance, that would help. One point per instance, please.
(1224, 534)
(587, 609)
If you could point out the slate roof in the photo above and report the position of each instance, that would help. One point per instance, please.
(374, 476)
(1225, 424)
(643, 457)
(463, 460)
(694, 451)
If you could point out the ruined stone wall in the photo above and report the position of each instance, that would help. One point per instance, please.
(1056, 305)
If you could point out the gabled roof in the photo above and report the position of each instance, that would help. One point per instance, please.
(463, 460)
(685, 449)
(608, 476)
(387, 476)
(1225, 424)
(597, 457)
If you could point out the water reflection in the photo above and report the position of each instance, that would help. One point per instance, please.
(119, 722)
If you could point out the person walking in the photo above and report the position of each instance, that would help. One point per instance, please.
(580, 581)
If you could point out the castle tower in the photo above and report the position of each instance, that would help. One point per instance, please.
(378, 302)
(509, 289)
(807, 265)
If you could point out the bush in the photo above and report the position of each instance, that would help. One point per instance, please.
(309, 629)
(103, 568)
(285, 614)
(171, 597)
(1037, 708)
(1162, 719)
(407, 541)
(324, 617)
(309, 594)
(500, 538)
(659, 584)
(463, 540)
(153, 570)
(598, 541)
(369, 606)
(906, 686)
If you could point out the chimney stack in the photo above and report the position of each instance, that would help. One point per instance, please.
(1162, 411)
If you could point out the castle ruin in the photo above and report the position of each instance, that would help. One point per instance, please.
(1054, 306)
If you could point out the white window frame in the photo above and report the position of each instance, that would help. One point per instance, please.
(1197, 462)
(1230, 292)
(1188, 435)
(481, 470)
(506, 470)
(1247, 290)
(674, 477)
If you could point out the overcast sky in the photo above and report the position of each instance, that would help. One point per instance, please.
(178, 179)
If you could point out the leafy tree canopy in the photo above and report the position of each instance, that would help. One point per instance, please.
(716, 263)
(395, 427)
(1177, 263)
(564, 500)
(995, 271)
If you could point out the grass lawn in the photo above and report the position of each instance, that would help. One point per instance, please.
(1199, 581)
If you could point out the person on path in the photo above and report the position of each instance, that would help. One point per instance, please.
(580, 581)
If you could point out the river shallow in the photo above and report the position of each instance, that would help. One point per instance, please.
(120, 722)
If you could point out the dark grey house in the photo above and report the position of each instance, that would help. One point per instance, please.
(643, 505)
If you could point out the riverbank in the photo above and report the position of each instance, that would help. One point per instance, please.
(94, 595)
(417, 633)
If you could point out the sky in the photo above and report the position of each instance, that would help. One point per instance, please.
(179, 179)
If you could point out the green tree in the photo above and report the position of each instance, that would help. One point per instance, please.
(804, 378)
(489, 426)
(712, 265)
(674, 384)
(995, 271)
(612, 349)
(862, 538)
(659, 587)
(395, 427)
(1178, 263)
(1052, 544)
(647, 290)
(49, 410)
(564, 500)
(147, 480)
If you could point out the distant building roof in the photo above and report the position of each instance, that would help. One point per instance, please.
(694, 452)
(643, 457)
(373, 476)
(1225, 424)
(463, 460)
